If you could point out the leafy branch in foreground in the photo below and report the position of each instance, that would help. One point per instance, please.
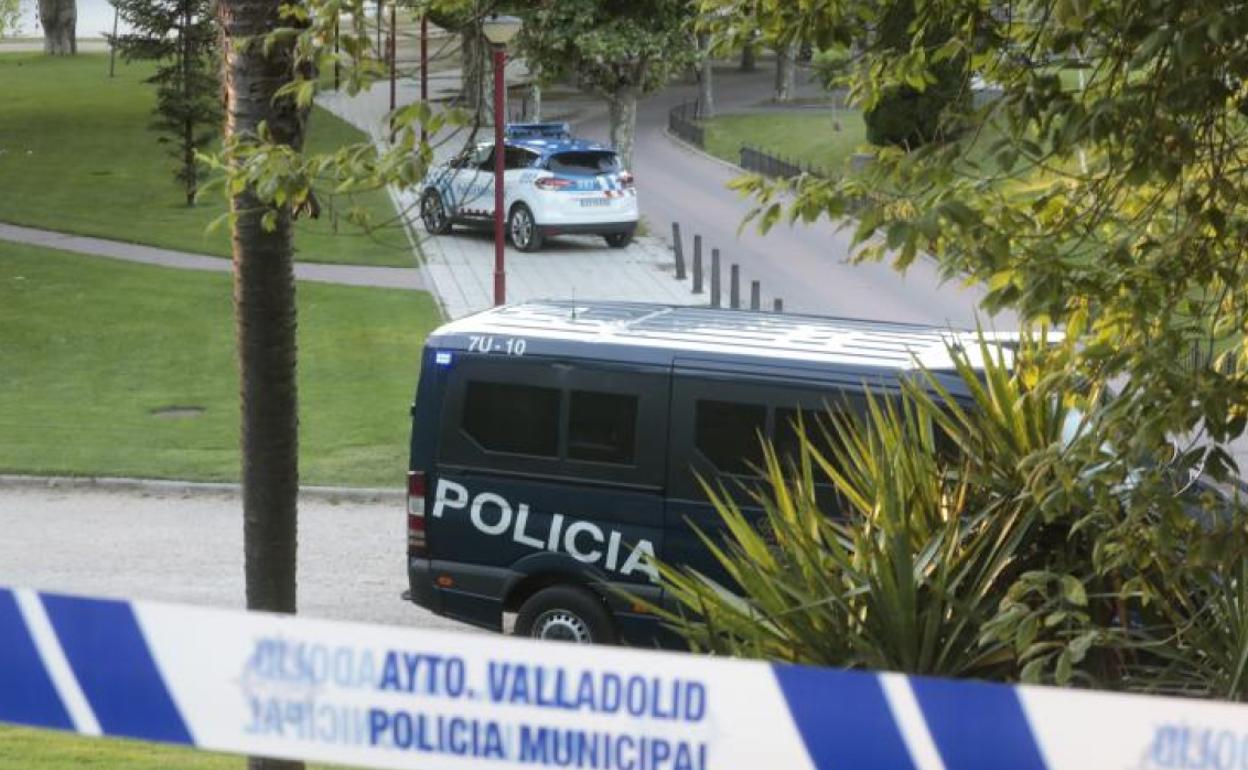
(281, 174)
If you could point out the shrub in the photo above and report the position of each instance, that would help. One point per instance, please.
(994, 539)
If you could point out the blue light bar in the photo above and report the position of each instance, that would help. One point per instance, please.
(539, 131)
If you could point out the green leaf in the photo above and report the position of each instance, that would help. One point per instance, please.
(1073, 591)
(1033, 672)
(1026, 635)
(1064, 669)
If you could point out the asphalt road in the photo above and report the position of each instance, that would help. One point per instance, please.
(189, 549)
(804, 264)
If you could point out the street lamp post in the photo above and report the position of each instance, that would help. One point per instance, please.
(499, 30)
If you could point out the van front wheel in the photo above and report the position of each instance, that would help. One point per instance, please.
(565, 613)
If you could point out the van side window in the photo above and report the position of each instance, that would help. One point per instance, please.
(602, 427)
(727, 434)
(819, 429)
(518, 419)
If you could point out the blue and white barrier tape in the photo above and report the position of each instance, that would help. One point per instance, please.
(387, 697)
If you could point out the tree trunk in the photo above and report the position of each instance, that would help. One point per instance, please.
(60, 20)
(622, 111)
(474, 53)
(706, 73)
(785, 72)
(189, 172)
(535, 98)
(747, 58)
(264, 302)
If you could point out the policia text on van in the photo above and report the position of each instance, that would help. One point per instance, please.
(556, 447)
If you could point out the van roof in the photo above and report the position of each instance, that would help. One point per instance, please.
(667, 335)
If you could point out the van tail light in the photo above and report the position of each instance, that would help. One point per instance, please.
(553, 183)
(417, 542)
(626, 180)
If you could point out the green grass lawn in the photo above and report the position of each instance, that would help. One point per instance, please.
(23, 749)
(823, 138)
(76, 155)
(91, 349)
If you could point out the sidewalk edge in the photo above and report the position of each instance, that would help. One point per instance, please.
(188, 488)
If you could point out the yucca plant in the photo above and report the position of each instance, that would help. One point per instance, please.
(927, 541)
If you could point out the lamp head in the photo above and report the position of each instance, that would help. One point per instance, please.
(499, 30)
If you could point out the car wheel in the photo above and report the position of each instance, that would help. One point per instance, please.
(523, 229)
(565, 613)
(433, 214)
(618, 240)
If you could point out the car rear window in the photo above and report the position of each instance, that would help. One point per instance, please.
(585, 162)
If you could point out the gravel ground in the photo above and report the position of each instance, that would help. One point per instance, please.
(189, 548)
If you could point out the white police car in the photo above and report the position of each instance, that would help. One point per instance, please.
(553, 184)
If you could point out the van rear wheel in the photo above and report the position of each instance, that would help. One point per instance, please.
(522, 228)
(565, 613)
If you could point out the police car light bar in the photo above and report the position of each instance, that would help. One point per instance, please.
(539, 131)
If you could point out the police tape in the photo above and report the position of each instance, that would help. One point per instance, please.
(388, 697)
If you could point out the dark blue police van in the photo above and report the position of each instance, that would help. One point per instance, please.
(557, 446)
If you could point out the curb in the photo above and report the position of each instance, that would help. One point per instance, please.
(695, 150)
(191, 488)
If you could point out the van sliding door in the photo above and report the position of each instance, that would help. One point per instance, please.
(719, 420)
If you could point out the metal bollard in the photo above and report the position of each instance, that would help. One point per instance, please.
(697, 264)
(777, 305)
(734, 287)
(756, 292)
(678, 248)
(715, 293)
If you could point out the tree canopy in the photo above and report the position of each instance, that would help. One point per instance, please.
(619, 49)
(1102, 188)
(10, 11)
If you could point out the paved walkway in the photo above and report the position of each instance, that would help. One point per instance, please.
(348, 275)
(459, 268)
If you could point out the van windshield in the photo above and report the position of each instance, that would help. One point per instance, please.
(585, 162)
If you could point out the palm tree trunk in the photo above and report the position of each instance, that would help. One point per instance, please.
(264, 302)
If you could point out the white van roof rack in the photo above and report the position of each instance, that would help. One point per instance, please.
(574, 328)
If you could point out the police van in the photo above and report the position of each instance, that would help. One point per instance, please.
(557, 447)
